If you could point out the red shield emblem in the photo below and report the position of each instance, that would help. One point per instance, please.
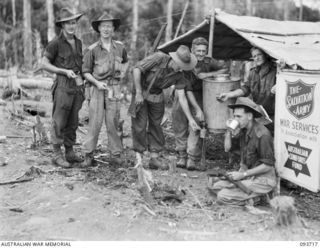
(299, 99)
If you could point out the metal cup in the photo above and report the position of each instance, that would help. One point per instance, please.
(79, 80)
(233, 124)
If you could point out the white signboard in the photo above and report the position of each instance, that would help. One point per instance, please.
(297, 128)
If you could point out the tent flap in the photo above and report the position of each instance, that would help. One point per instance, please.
(294, 42)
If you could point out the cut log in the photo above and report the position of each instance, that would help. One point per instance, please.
(28, 83)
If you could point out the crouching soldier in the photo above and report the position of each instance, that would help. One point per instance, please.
(151, 75)
(257, 171)
(102, 68)
(63, 56)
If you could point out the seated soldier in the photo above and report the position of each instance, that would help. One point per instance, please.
(257, 172)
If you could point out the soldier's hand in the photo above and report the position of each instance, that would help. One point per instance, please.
(70, 74)
(101, 85)
(223, 97)
(139, 98)
(201, 75)
(193, 124)
(235, 175)
(199, 115)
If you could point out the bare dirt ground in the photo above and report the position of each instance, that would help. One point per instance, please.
(103, 203)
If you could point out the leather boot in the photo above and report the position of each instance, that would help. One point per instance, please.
(88, 160)
(156, 164)
(116, 159)
(193, 164)
(58, 158)
(71, 157)
(182, 160)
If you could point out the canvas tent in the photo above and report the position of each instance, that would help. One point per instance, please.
(294, 42)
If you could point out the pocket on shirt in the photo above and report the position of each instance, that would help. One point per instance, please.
(102, 66)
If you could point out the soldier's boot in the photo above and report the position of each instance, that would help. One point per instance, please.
(117, 159)
(71, 156)
(156, 163)
(193, 164)
(182, 160)
(88, 160)
(58, 158)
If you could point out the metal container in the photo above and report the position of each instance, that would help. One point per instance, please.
(217, 112)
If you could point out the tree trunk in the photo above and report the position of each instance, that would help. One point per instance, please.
(286, 10)
(134, 34)
(249, 7)
(51, 32)
(169, 20)
(301, 11)
(27, 34)
(14, 42)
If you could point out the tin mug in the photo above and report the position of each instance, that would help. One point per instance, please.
(233, 124)
(79, 80)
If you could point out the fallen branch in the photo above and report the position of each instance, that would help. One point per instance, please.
(17, 181)
(148, 210)
(199, 203)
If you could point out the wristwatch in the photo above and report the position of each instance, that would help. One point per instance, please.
(245, 174)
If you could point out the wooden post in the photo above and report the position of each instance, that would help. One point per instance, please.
(169, 21)
(211, 34)
(181, 19)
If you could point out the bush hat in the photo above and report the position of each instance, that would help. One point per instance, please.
(184, 58)
(105, 17)
(248, 103)
(65, 14)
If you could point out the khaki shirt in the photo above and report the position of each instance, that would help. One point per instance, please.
(259, 84)
(61, 54)
(256, 146)
(104, 64)
(166, 77)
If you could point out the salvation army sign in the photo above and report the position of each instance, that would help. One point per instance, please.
(300, 98)
(297, 127)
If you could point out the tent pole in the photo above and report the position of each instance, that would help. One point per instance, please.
(212, 19)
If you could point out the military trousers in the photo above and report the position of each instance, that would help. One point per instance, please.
(186, 140)
(67, 102)
(146, 127)
(101, 108)
(228, 193)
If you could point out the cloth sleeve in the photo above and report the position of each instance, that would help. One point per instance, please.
(124, 56)
(51, 51)
(183, 81)
(216, 65)
(88, 59)
(266, 151)
(246, 86)
(150, 62)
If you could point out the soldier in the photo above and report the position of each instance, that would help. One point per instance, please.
(102, 68)
(257, 171)
(260, 82)
(63, 56)
(188, 142)
(151, 75)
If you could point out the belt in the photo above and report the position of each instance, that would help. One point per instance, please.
(112, 81)
(155, 98)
